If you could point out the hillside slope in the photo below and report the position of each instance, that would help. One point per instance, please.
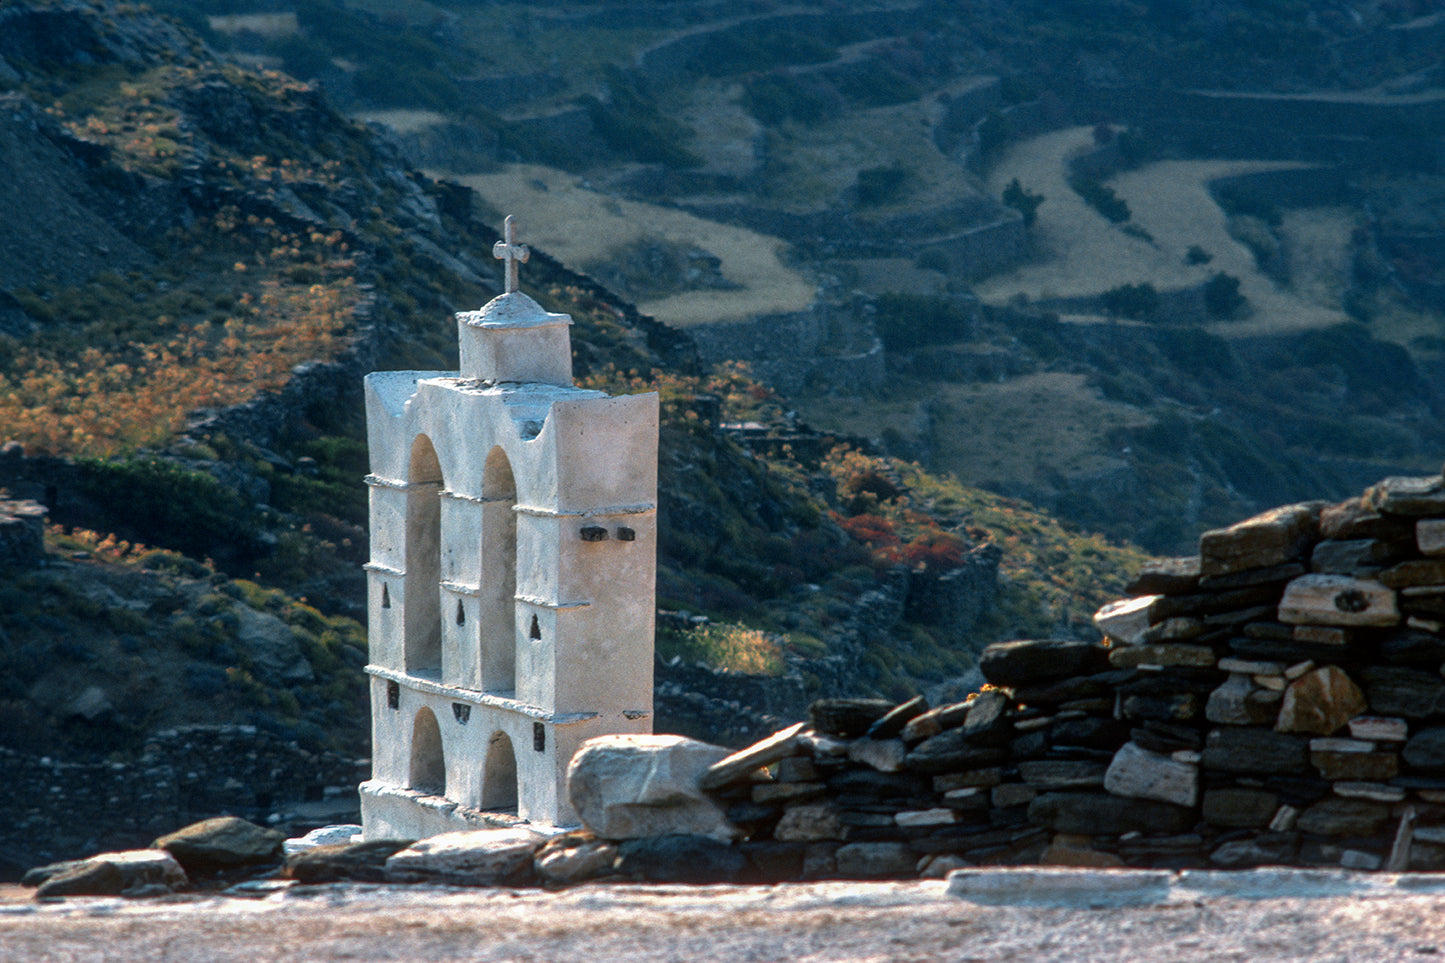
(184, 395)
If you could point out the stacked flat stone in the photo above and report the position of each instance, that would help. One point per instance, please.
(1278, 698)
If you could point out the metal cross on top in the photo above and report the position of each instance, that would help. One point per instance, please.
(510, 251)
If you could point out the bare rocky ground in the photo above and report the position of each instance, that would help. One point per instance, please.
(913, 921)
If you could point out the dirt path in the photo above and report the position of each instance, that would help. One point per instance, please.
(903, 922)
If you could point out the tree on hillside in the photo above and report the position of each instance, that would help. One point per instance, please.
(1022, 200)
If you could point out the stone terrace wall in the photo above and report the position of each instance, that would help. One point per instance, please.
(183, 775)
(1277, 698)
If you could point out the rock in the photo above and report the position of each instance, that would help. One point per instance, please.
(681, 858)
(1411, 496)
(631, 786)
(772, 793)
(985, 724)
(1413, 647)
(949, 752)
(1162, 654)
(1127, 620)
(87, 878)
(1418, 572)
(1099, 814)
(1167, 576)
(482, 857)
(113, 874)
(1033, 660)
(223, 843)
(1046, 774)
(1164, 739)
(1273, 575)
(1379, 729)
(574, 858)
(363, 862)
(1321, 702)
(1072, 850)
(1345, 557)
(1239, 808)
(934, 721)
(847, 718)
(1181, 628)
(1176, 707)
(808, 823)
(1089, 732)
(1012, 794)
(1273, 538)
(1400, 691)
(914, 818)
(1352, 519)
(1230, 704)
(892, 722)
(1425, 752)
(939, 865)
(1430, 536)
(1376, 791)
(1344, 817)
(1260, 851)
(1338, 600)
(1356, 765)
(743, 763)
(1140, 774)
(875, 860)
(1254, 751)
(325, 836)
(884, 755)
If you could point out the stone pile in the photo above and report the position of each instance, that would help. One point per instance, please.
(1277, 698)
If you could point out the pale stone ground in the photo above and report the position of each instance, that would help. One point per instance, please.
(904, 922)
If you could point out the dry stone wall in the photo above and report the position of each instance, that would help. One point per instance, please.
(1277, 698)
(54, 809)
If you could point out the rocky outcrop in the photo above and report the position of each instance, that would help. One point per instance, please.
(22, 533)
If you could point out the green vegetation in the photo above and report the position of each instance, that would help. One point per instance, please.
(1024, 201)
(1139, 302)
(1101, 197)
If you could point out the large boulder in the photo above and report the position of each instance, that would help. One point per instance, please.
(483, 857)
(363, 862)
(223, 843)
(635, 786)
(132, 872)
(1029, 661)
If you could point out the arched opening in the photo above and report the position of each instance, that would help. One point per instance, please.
(499, 575)
(423, 631)
(428, 764)
(499, 775)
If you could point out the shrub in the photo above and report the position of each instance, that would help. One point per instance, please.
(1137, 301)
(879, 185)
(1101, 197)
(1024, 201)
(1221, 296)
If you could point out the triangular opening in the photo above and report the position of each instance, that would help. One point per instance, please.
(461, 614)
(385, 596)
(536, 633)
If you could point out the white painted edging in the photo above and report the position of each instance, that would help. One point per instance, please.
(1096, 888)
